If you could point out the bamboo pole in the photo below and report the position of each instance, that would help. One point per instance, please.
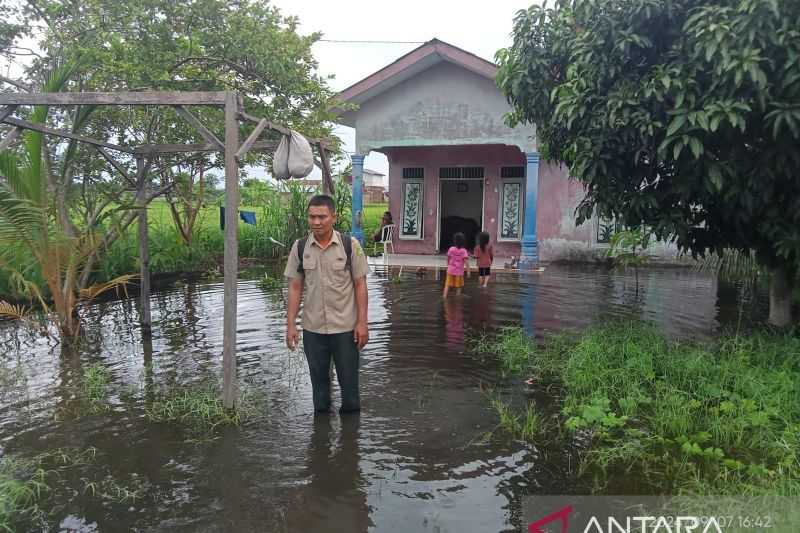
(231, 250)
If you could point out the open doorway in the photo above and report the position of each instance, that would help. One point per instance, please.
(460, 209)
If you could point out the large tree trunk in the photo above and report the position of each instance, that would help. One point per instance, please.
(780, 297)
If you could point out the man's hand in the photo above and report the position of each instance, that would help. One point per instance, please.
(361, 335)
(292, 337)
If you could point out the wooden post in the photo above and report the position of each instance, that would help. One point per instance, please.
(231, 250)
(144, 243)
(327, 178)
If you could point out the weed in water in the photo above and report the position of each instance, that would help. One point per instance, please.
(511, 346)
(525, 426)
(269, 282)
(24, 482)
(715, 418)
(94, 385)
(22, 485)
(201, 407)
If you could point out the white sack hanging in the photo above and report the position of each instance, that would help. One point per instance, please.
(301, 158)
(280, 161)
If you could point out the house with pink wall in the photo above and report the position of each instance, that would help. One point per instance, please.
(454, 164)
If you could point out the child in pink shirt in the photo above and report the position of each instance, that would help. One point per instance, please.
(484, 255)
(457, 256)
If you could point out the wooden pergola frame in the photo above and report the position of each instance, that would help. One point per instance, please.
(234, 152)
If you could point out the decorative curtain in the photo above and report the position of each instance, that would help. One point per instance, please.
(511, 211)
(412, 210)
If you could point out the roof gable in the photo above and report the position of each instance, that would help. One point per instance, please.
(411, 64)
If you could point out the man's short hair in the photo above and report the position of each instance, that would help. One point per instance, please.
(321, 200)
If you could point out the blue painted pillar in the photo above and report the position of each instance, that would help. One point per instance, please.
(530, 245)
(358, 196)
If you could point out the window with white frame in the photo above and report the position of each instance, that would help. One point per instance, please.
(412, 209)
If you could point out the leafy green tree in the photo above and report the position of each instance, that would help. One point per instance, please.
(681, 115)
(28, 219)
(210, 45)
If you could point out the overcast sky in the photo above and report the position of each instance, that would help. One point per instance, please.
(478, 27)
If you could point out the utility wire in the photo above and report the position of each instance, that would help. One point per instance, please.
(369, 42)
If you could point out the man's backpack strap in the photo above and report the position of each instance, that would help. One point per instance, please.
(347, 242)
(301, 246)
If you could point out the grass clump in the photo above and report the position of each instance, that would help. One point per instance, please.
(94, 384)
(519, 354)
(270, 282)
(526, 426)
(201, 407)
(717, 418)
(22, 484)
(91, 396)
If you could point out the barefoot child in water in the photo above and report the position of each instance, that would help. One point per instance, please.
(484, 255)
(457, 256)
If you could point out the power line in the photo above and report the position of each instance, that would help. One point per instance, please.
(368, 42)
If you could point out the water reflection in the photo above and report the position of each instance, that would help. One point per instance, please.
(454, 324)
(333, 497)
(529, 305)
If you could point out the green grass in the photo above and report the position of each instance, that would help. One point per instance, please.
(22, 485)
(271, 282)
(91, 393)
(94, 385)
(280, 218)
(201, 407)
(716, 418)
(373, 213)
(527, 425)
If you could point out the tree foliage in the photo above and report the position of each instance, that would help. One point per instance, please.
(27, 218)
(247, 46)
(682, 115)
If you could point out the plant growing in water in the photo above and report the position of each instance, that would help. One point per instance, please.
(270, 282)
(525, 426)
(94, 387)
(628, 249)
(718, 418)
(201, 407)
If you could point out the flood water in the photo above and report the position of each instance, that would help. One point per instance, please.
(413, 460)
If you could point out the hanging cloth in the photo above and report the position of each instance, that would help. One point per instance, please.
(248, 217)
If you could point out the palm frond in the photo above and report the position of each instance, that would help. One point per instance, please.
(15, 169)
(19, 217)
(9, 310)
(23, 285)
(56, 81)
(120, 282)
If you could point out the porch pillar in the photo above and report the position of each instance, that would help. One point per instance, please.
(530, 245)
(358, 196)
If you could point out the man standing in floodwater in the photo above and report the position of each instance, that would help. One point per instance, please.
(331, 269)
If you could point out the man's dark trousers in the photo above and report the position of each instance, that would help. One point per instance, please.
(319, 348)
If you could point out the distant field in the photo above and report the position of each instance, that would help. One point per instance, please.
(209, 216)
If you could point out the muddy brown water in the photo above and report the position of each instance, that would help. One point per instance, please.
(413, 460)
